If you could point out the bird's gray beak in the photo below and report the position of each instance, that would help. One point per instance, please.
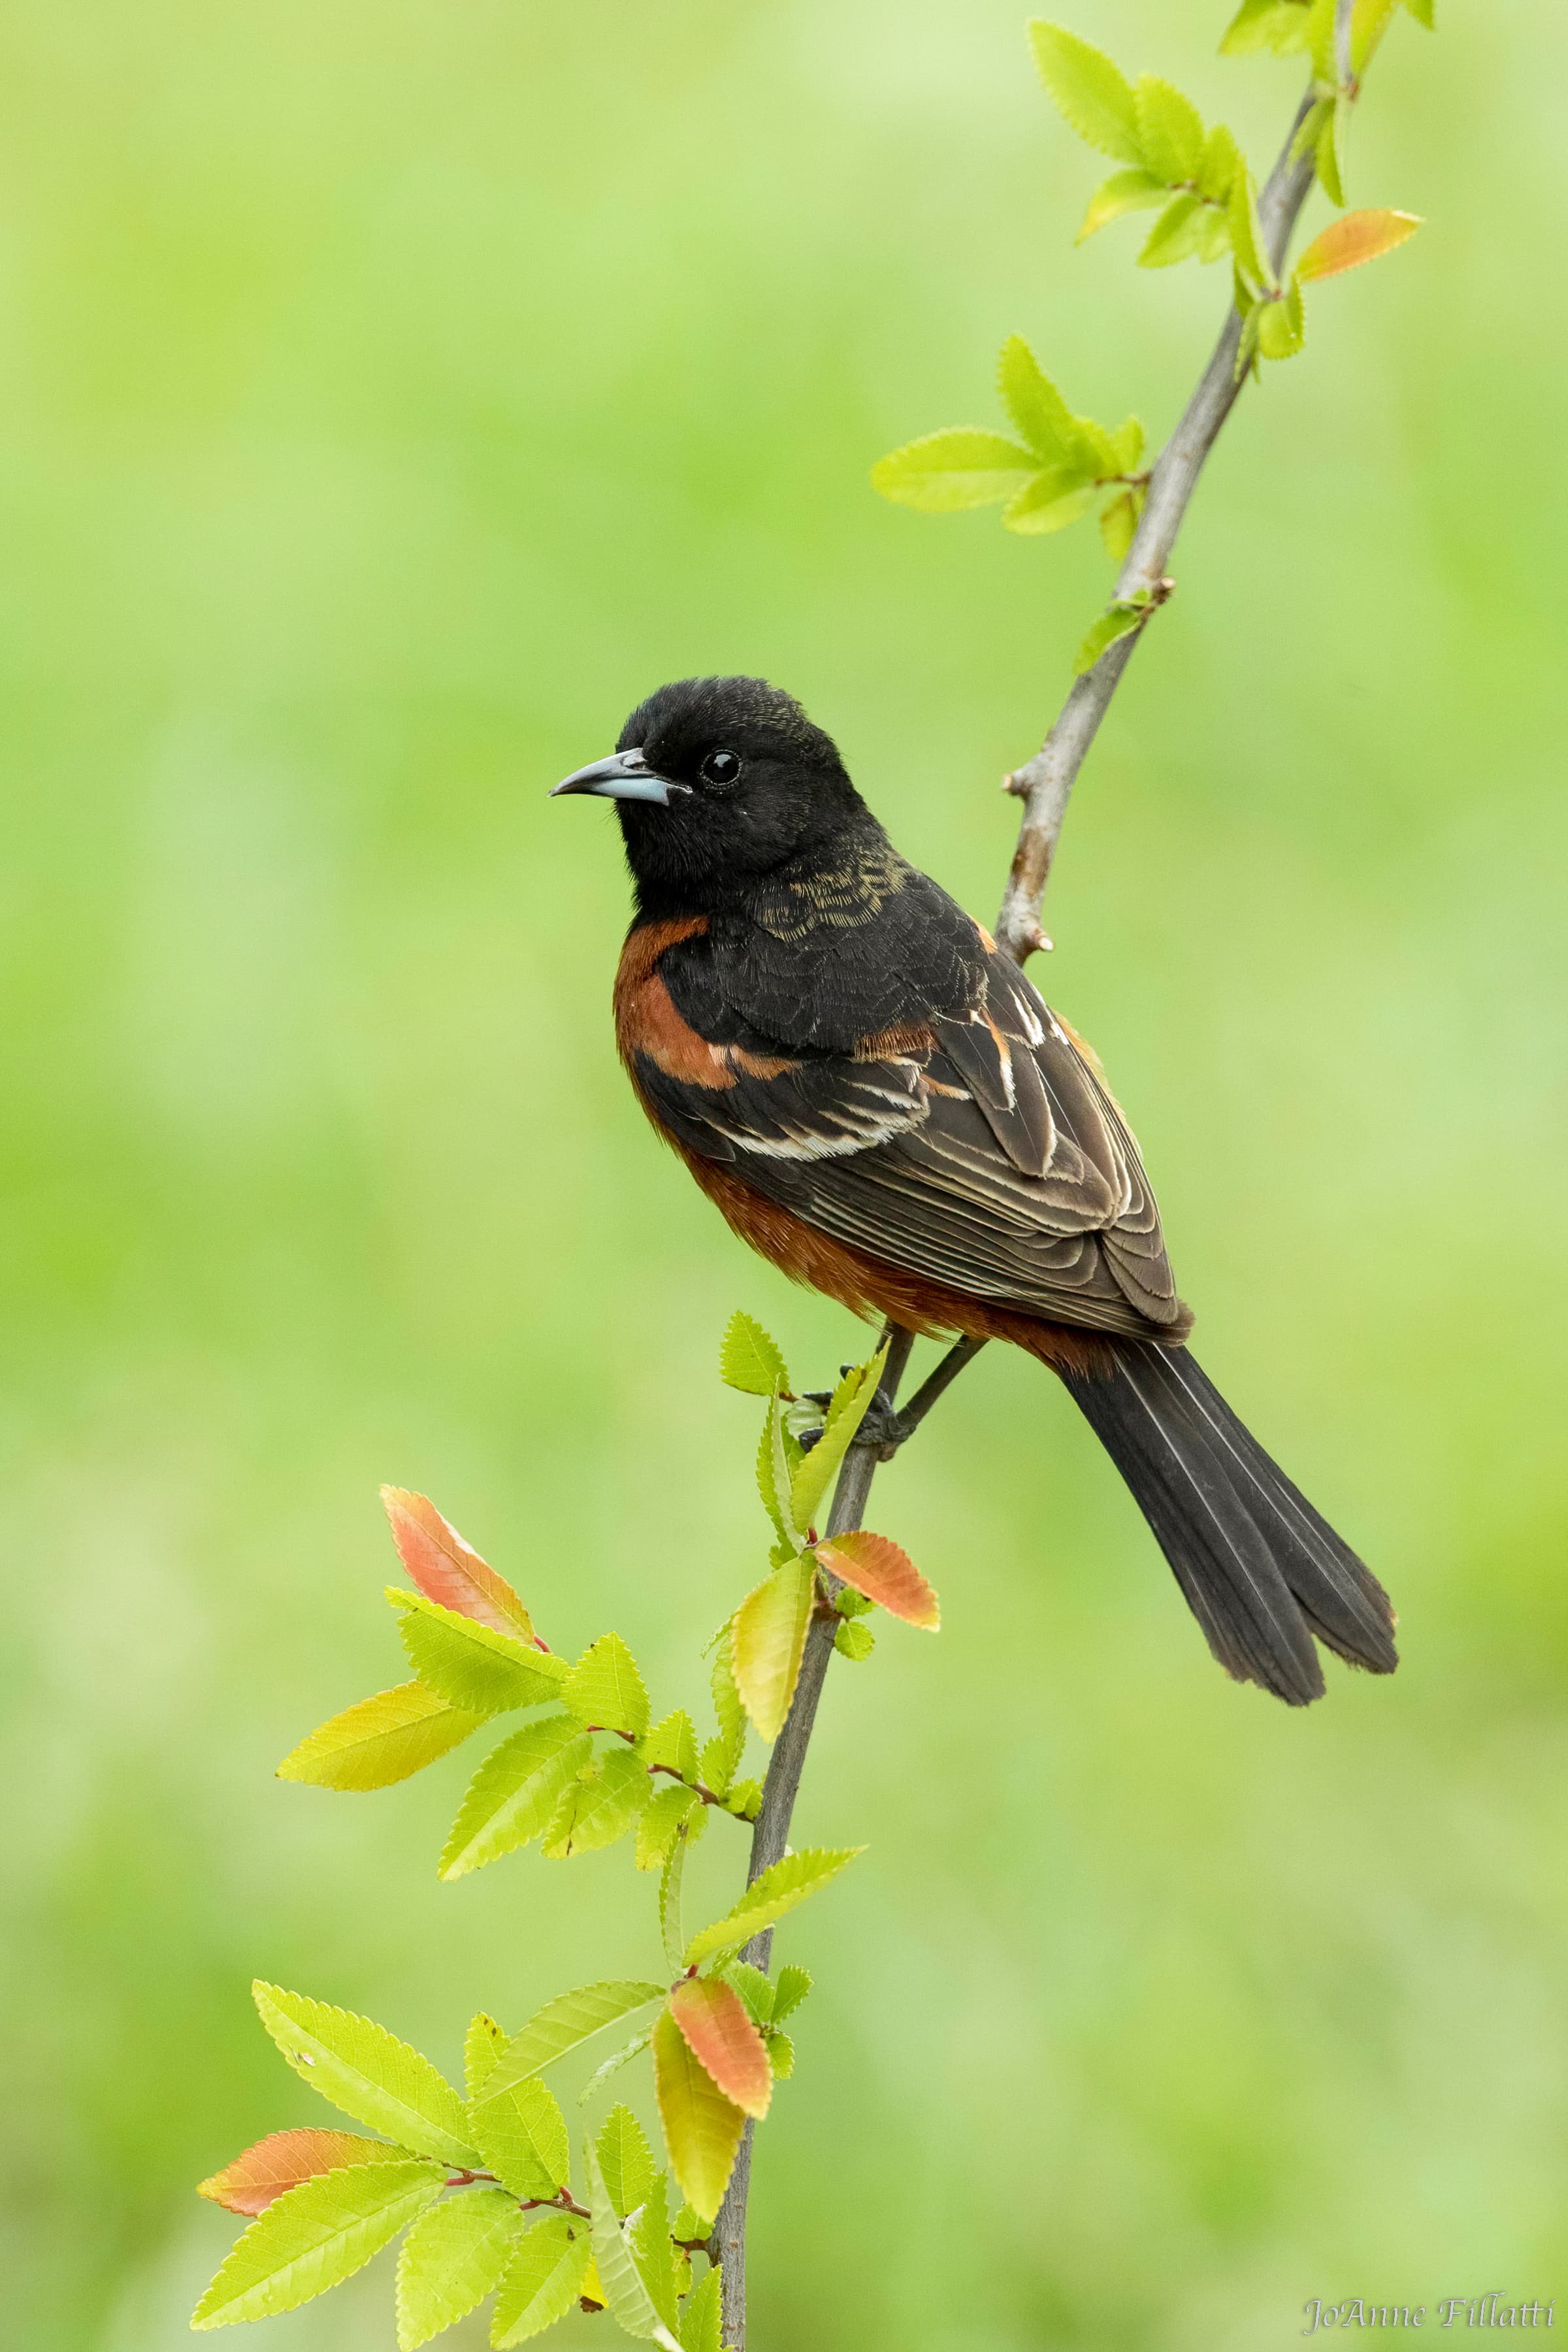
(624, 776)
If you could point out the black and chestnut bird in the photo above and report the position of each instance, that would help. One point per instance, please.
(877, 1099)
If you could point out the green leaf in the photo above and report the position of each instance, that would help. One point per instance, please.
(1281, 328)
(1120, 621)
(471, 1665)
(701, 2316)
(381, 1740)
(626, 2160)
(1118, 523)
(1311, 123)
(1126, 445)
(1174, 236)
(1277, 25)
(1214, 233)
(598, 1807)
(544, 2281)
(612, 2065)
(755, 1989)
(728, 1707)
(672, 1743)
(1424, 13)
(815, 1474)
(768, 1898)
(776, 1455)
(565, 2022)
(702, 2128)
(451, 2259)
(1246, 234)
(1220, 165)
(854, 1642)
(665, 1817)
(768, 1641)
(1330, 150)
(780, 2055)
(314, 2237)
(1370, 19)
(625, 2291)
(1322, 41)
(789, 1989)
(515, 1793)
(1092, 96)
(1124, 192)
(1038, 409)
(260, 2175)
(482, 2045)
(670, 1885)
(1355, 238)
(652, 2252)
(521, 2131)
(744, 1798)
(945, 473)
(1170, 129)
(605, 1688)
(749, 1359)
(716, 1764)
(367, 2071)
(1043, 504)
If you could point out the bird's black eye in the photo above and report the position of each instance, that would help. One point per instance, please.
(719, 768)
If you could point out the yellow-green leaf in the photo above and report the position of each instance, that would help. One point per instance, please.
(368, 2072)
(626, 2160)
(570, 2018)
(1051, 502)
(1093, 95)
(599, 1806)
(482, 2045)
(1175, 236)
(945, 473)
(627, 2294)
(605, 1688)
(515, 1793)
(381, 1740)
(1170, 129)
(767, 1642)
(471, 1665)
(1034, 404)
(451, 2259)
(545, 2278)
(1278, 24)
(749, 1360)
(701, 2128)
(1118, 523)
(521, 2131)
(314, 2237)
(1125, 192)
(775, 1892)
(814, 1472)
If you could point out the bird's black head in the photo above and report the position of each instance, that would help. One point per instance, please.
(717, 781)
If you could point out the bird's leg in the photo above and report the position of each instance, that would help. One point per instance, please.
(885, 1429)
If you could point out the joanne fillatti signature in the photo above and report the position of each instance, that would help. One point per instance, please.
(1453, 2311)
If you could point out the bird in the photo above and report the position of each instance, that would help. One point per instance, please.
(876, 1098)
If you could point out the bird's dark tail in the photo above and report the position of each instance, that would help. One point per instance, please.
(1261, 1572)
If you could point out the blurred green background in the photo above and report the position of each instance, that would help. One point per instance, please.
(392, 395)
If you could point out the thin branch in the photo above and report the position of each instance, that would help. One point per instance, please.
(1044, 782)
(771, 1835)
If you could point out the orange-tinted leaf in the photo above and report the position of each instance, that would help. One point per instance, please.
(284, 2158)
(448, 1569)
(702, 2128)
(1354, 238)
(724, 2040)
(883, 1572)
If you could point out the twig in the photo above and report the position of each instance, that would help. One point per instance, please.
(771, 1835)
(1044, 782)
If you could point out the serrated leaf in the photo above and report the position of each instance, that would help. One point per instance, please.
(1117, 524)
(280, 2162)
(769, 1897)
(789, 1989)
(702, 2128)
(1331, 150)
(545, 2277)
(1037, 408)
(521, 2131)
(626, 2160)
(946, 473)
(653, 2253)
(449, 1570)
(1281, 326)
(1355, 238)
(854, 1642)
(612, 2065)
(744, 1798)
(482, 2045)
(598, 1807)
(664, 1818)
(515, 1793)
(1174, 236)
(471, 1665)
(565, 2022)
(716, 1764)
(1170, 129)
(367, 2071)
(728, 1707)
(454, 2256)
(755, 1989)
(1214, 233)
(1125, 192)
(814, 1472)
(884, 1571)
(314, 2237)
(768, 1641)
(627, 2296)
(1278, 24)
(701, 2316)
(672, 1743)
(381, 1740)
(749, 1360)
(1247, 233)
(670, 1885)
(1093, 98)
(605, 1688)
(1120, 621)
(1044, 504)
(781, 2056)
(723, 2038)
(1220, 165)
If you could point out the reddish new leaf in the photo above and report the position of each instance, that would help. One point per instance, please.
(719, 2034)
(284, 2158)
(883, 1572)
(1354, 238)
(448, 1570)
